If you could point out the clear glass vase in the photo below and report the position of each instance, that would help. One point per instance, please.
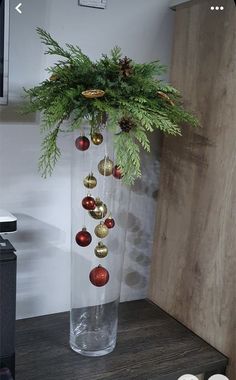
(96, 266)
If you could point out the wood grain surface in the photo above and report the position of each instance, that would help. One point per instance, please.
(151, 346)
(194, 262)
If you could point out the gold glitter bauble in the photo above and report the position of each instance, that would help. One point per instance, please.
(101, 231)
(92, 94)
(105, 166)
(90, 181)
(100, 210)
(101, 250)
(97, 138)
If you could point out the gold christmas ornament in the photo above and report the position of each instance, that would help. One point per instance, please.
(105, 166)
(93, 94)
(100, 210)
(101, 231)
(97, 138)
(101, 251)
(90, 181)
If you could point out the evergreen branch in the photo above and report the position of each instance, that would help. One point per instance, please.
(142, 138)
(128, 158)
(53, 47)
(116, 54)
(50, 153)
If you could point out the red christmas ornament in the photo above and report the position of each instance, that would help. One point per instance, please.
(117, 173)
(109, 222)
(99, 276)
(89, 203)
(82, 143)
(83, 238)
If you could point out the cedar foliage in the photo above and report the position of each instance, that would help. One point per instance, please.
(140, 96)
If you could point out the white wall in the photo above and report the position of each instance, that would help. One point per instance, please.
(143, 30)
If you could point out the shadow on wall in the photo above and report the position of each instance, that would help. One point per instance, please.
(13, 114)
(39, 263)
(141, 224)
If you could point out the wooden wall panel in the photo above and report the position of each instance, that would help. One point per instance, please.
(194, 261)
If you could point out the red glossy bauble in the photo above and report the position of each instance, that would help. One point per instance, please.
(83, 238)
(89, 203)
(117, 173)
(82, 143)
(110, 223)
(99, 276)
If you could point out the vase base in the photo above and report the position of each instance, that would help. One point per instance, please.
(93, 329)
(83, 352)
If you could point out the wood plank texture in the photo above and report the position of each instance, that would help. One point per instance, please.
(151, 346)
(194, 261)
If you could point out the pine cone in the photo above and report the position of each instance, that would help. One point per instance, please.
(165, 97)
(54, 78)
(126, 124)
(125, 67)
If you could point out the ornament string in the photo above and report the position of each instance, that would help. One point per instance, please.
(85, 195)
(113, 188)
(106, 156)
(91, 154)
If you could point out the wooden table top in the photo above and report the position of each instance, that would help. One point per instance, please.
(151, 346)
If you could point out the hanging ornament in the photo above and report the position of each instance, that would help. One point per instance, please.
(88, 203)
(101, 250)
(97, 138)
(99, 276)
(126, 124)
(93, 94)
(82, 143)
(83, 238)
(105, 166)
(117, 173)
(109, 222)
(126, 68)
(90, 181)
(100, 210)
(101, 231)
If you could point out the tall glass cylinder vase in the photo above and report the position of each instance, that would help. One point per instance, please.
(99, 214)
